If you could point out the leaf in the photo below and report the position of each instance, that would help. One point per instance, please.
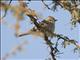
(64, 44)
(75, 16)
(5, 7)
(17, 12)
(79, 12)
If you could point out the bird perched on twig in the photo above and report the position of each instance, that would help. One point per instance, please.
(48, 26)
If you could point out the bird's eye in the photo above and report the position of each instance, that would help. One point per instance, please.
(50, 20)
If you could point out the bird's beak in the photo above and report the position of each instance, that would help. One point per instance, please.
(55, 20)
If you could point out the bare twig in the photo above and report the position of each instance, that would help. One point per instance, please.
(14, 50)
(51, 47)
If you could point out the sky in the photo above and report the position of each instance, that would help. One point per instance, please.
(36, 49)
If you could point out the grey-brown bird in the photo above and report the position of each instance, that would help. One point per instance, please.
(48, 26)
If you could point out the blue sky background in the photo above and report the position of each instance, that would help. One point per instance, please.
(36, 48)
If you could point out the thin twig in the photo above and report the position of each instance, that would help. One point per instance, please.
(51, 47)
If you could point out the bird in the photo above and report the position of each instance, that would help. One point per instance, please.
(48, 25)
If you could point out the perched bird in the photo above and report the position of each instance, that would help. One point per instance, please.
(48, 26)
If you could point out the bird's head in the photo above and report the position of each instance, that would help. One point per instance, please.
(51, 19)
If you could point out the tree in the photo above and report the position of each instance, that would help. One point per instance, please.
(44, 28)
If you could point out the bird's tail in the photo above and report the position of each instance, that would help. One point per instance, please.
(20, 35)
(34, 33)
(23, 34)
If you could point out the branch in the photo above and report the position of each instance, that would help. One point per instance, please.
(14, 50)
(55, 4)
(51, 47)
(45, 4)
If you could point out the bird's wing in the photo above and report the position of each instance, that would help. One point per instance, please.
(44, 21)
